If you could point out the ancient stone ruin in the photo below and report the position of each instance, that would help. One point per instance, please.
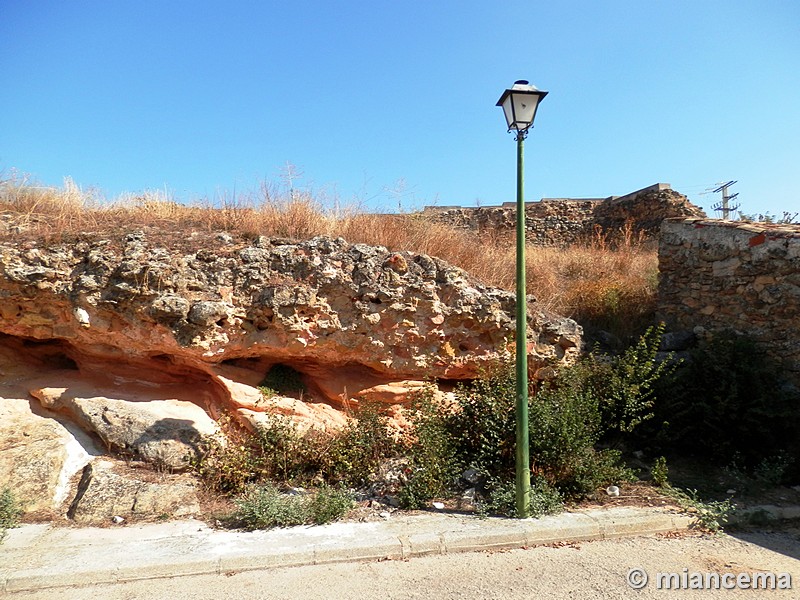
(745, 277)
(565, 221)
(123, 347)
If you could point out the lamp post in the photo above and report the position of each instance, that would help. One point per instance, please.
(519, 105)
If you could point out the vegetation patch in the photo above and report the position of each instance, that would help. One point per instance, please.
(265, 506)
(728, 404)
(10, 512)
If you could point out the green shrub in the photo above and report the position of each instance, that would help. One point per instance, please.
(659, 472)
(264, 507)
(285, 453)
(709, 515)
(502, 499)
(278, 451)
(10, 512)
(354, 454)
(329, 504)
(626, 384)
(568, 417)
(236, 457)
(728, 401)
(431, 455)
(768, 473)
(483, 427)
(227, 462)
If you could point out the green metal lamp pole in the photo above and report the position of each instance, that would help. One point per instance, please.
(519, 105)
(523, 447)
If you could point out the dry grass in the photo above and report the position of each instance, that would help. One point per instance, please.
(599, 283)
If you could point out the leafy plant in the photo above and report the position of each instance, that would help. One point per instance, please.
(228, 461)
(769, 472)
(728, 401)
(567, 418)
(626, 384)
(502, 499)
(329, 504)
(10, 512)
(285, 453)
(659, 472)
(432, 468)
(265, 506)
(278, 451)
(354, 454)
(710, 515)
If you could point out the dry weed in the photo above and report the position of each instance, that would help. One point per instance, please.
(608, 281)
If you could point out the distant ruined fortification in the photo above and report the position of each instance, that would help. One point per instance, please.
(564, 221)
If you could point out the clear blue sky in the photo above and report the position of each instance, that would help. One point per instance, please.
(394, 102)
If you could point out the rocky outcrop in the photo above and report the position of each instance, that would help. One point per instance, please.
(103, 495)
(142, 346)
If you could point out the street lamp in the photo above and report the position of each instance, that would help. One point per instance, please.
(519, 105)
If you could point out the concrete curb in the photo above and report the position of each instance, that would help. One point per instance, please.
(764, 514)
(35, 557)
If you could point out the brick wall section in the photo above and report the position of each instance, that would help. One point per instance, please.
(734, 275)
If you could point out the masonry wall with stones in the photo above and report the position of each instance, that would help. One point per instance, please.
(564, 221)
(733, 275)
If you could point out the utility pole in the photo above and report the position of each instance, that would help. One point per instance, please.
(724, 207)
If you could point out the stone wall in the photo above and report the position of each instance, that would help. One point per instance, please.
(734, 275)
(564, 221)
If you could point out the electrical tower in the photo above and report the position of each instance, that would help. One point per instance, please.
(724, 207)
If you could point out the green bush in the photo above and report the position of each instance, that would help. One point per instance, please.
(265, 506)
(10, 512)
(278, 451)
(502, 499)
(728, 401)
(329, 504)
(659, 472)
(431, 455)
(227, 462)
(626, 384)
(354, 454)
(285, 453)
(568, 417)
(710, 515)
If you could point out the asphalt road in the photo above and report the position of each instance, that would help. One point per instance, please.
(589, 570)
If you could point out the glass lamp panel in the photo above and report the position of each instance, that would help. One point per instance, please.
(509, 111)
(524, 109)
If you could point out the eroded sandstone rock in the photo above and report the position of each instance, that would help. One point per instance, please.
(166, 433)
(38, 456)
(324, 307)
(104, 493)
(144, 347)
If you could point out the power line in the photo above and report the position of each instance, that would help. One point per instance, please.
(724, 207)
